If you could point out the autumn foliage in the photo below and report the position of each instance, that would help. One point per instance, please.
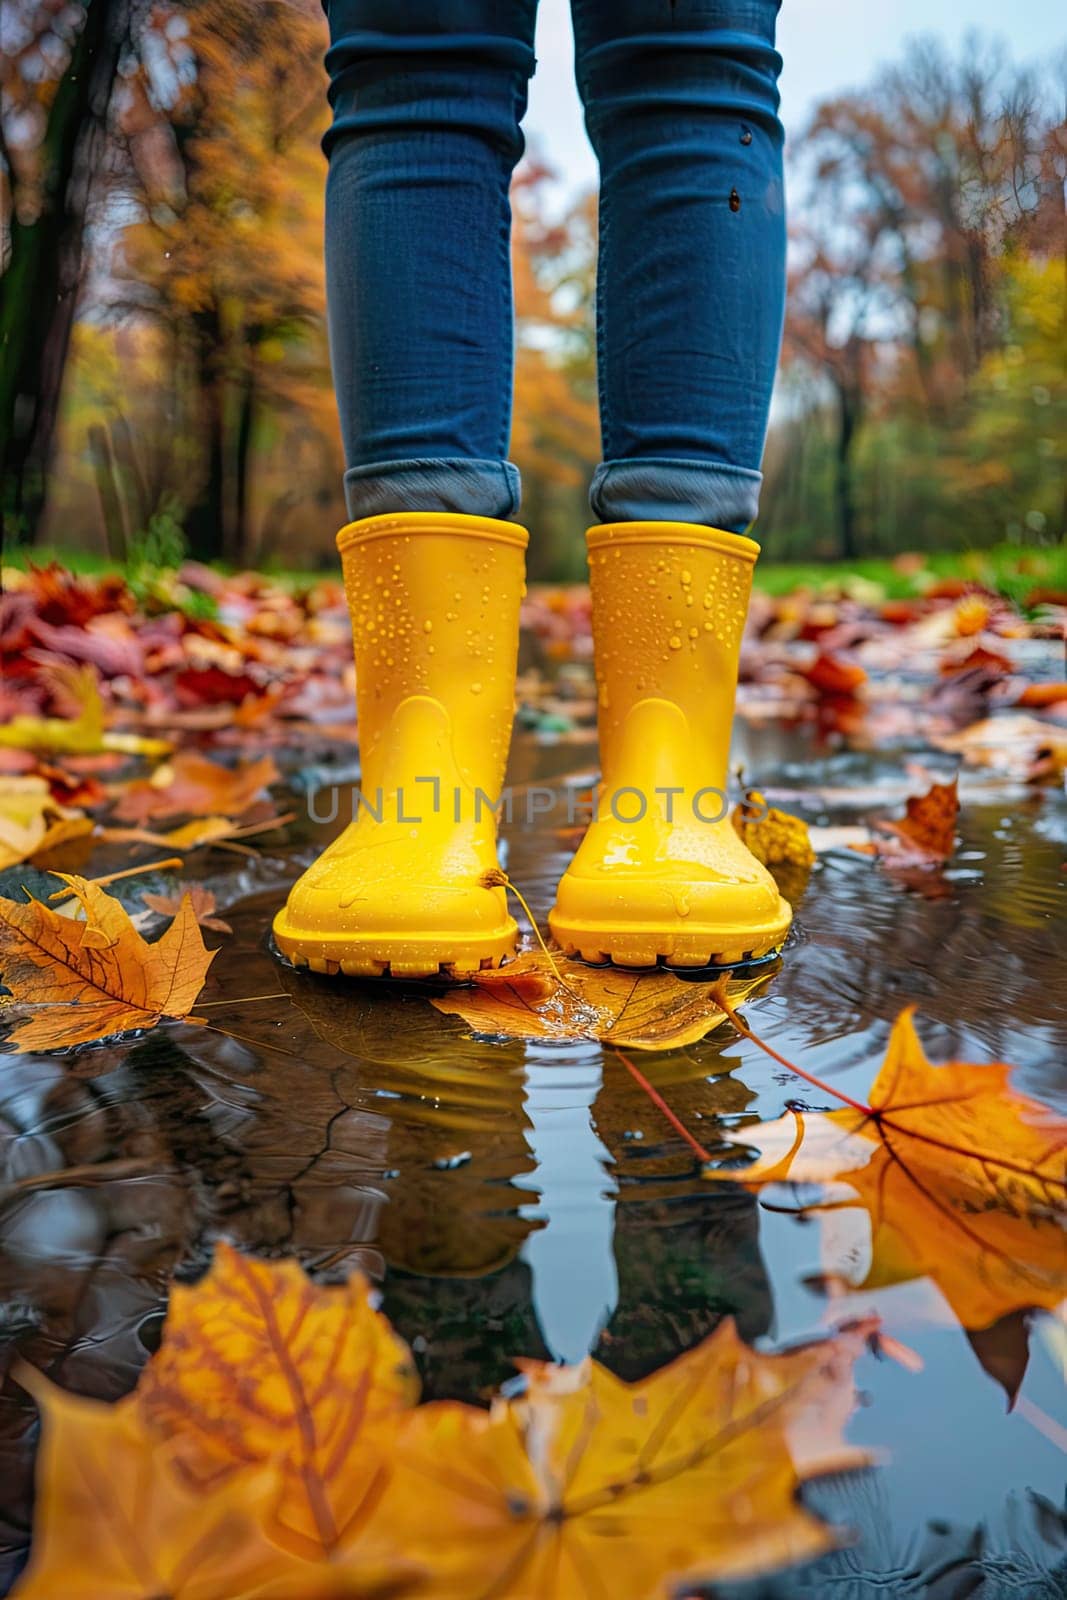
(274, 1448)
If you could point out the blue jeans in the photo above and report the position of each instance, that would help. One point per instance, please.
(681, 105)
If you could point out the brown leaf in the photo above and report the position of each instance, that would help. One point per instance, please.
(193, 785)
(642, 1010)
(926, 836)
(201, 899)
(87, 980)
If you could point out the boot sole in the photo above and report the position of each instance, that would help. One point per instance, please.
(656, 947)
(380, 956)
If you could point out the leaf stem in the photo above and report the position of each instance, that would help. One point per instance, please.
(721, 998)
(127, 872)
(661, 1105)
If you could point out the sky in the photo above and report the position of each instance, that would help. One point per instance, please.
(827, 46)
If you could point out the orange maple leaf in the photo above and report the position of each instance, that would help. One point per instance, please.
(963, 1178)
(86, 980)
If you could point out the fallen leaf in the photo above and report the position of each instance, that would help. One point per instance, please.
(259, 1364)
(651, 1010)
(277, 1417)
(833, 675)
(926, 836)
(211, 685)
(113, 1521)
(87, 980)
(33, 825)
(81, 734)
(1039, 696)
(775, 837)
(201, 899)
(586, 1485)
(977, 658)
(201, 831)
(1017, 744)
(963, 1178)
(191, 784)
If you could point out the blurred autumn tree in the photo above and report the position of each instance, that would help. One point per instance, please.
(175, 196)
(926, 297)
(59, 68)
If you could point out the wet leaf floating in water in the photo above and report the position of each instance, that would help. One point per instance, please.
(87, 980)
(651, 1010)
(292, 1406)
(200, 832)
(203, 902)
(926, 836)
(260, 1364)
(963, 1178)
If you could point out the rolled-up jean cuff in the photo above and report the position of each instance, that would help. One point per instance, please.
(472, 488)
(659, 489)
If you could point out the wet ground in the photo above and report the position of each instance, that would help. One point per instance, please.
(519, 1199)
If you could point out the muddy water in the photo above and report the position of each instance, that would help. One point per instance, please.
(528, 1200)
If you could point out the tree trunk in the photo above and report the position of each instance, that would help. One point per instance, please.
(240, 551)
(206, 521)
(44, 267)
(844, 482)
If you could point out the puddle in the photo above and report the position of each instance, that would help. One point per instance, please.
(528, 1200)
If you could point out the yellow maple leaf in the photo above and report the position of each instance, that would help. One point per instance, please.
(291, 1404)
(86, 980)
(114, 1521)
(590, 1486)
(33, 825)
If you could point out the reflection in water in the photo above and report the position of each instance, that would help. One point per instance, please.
(529, 1200)
(575, 1287)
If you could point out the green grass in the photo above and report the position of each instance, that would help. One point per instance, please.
(1009, 569)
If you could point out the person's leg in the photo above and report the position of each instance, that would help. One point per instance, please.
(427, 97)
(681, 104)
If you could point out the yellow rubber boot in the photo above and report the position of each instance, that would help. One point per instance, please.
(434, 599)
(663, 876)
